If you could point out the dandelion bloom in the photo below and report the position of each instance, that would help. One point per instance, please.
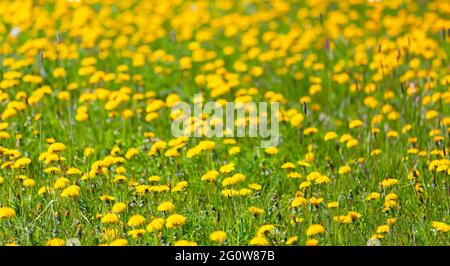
(175, 220)
(234, 150)
(382, 229)
(136, 220)
(271, 150)
(315, 229)
(56, 242)
(56, 147)
(343, 219)
(185, 243)
(7, 213)
(330, 136)
(166, 206)
(71, 192)
(294, 175)
(267, 228)
(344, 169)
(225, 169)
(156, 224)
(110, 234)
(110, 218)
(259, 241)
(312, 242)
(154, 178)
(298, 201)
(297, 119)
(88, 151)
(323, 179)
(136, 233)
(119, 242)
(218, 236)
(61, 183)
(352, 143)
(355, 123)
(440, 226)
(210, 176)
(28, 182)
(291, 240)
(373, 196)
(389, 182)
(119, 207)
(255, 186)
(315, 201)
(333, 204)
(288, 165)
(255, 210)
(21, 163)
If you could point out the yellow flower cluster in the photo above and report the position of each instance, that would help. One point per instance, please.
(88, 91)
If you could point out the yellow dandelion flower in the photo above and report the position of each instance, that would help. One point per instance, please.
(440, 226)
(136, 220)
(218, 236)
(71, 192)
(185, 243)
(110, 218)
(312, 242)
(259, 241)
(330, 136)
(28, 182)
(344, 170)
(389, 182)
(156, 224)
(267, 228)
(225, 169)
(136, 233)
(382, 229)
(271, 150)
(315, 229)
(210, 176)
(119, 242)
(56, 242)
(255, 210)
(175, 220)
(288, 165)
(7, 213)
(166, 206)
(291, 240)
(21, 163)
(333, 204)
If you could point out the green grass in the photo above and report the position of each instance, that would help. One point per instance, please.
(39, 218)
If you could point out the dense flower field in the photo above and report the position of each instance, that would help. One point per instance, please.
(87, 91)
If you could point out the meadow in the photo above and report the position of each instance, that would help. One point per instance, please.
(87, 155)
